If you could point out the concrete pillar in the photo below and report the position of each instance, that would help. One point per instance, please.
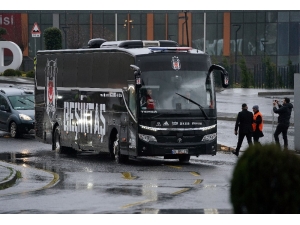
(56, 20)
(297, 111)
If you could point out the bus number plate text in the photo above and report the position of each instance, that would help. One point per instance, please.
(180, 151)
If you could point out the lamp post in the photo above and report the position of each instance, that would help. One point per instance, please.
(65, 31)
(186, 27)
(235, 73)
(263, 41)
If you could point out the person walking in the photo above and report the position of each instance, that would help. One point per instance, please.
(257, 124)
(243, 127)
(284, 115)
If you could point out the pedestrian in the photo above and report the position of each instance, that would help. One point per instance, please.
(243, 127)
(257, 124)
(284, 114)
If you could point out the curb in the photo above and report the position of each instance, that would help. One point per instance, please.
(10, 180)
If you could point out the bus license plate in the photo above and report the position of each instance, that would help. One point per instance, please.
(180, 151)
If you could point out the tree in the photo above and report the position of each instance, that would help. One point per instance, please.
(266, 180)
(270, 70)
(53, 38)
(2, 32)
(247, 76)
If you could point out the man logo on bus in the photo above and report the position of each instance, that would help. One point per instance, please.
(51, 72)
(176, 63)
(50, 91)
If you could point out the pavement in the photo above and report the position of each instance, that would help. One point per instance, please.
(225, 97)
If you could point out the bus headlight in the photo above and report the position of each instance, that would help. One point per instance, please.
(209, 137)
(147, 138)
(24, 117)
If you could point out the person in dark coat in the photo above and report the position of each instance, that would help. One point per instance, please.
(284, 111)
(243, 127)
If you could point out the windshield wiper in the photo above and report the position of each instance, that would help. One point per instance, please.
(29, 100)
(201, 107)
(22, 102)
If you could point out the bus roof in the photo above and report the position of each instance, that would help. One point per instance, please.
(133, 47)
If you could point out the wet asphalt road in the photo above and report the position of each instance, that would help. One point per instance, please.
(99, 185)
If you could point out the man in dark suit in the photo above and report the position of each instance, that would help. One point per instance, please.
(243, 124)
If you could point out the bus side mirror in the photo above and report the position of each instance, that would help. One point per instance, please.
(225, 78)
(137, 75)
(224, 74)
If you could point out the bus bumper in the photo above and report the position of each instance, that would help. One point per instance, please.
(193, 149)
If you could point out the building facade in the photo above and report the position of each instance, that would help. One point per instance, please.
(231, 34)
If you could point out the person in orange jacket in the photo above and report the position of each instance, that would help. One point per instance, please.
(257, 124)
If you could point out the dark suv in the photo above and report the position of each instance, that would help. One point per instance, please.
(16, 111)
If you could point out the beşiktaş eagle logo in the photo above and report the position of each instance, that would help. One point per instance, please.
(51, 72)
(175, 63)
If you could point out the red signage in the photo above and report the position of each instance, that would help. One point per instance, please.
(36, 32)
(12, 23)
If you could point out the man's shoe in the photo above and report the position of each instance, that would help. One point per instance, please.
(235, 153)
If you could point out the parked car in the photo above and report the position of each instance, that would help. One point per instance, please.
(17, 111)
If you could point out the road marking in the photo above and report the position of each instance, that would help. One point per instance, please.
(181, 191)
(211, 211)
(198, 181)
(137, 203)
(127, 176)
(195, 174)
(176, 167)
(54, 180)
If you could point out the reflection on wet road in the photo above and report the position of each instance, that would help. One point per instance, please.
(98, 185)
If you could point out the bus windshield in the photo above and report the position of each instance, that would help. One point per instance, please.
(176, 90)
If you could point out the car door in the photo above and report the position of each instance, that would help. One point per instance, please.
(4, 113)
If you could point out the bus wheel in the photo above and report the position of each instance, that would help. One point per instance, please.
(184, 158)
(118, 156)
(57, 144)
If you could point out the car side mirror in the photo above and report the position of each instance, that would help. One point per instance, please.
(2, 108)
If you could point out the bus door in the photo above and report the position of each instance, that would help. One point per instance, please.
(132, 118)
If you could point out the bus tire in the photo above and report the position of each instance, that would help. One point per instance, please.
(57, 143)
(119, 158)
(184, 158)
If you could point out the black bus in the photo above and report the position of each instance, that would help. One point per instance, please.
(128, 99)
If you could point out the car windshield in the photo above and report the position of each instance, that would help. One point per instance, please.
(22, 102)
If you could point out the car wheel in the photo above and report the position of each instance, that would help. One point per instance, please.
(13, 130)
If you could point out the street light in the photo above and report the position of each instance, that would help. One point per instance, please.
(65, 31)
(235, 73)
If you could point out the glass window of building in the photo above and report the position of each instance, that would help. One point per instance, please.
(97, 18)
(34, 17)
(47, 18)
(72, 18)
(236, 17)
(283, 16)
(295, 16)
(84, 18)
(249, 40)
(261, 16)
(249, 17)
(211, 17)
(159, 18)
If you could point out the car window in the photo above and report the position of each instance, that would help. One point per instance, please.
(22, 102)
(4, 102)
